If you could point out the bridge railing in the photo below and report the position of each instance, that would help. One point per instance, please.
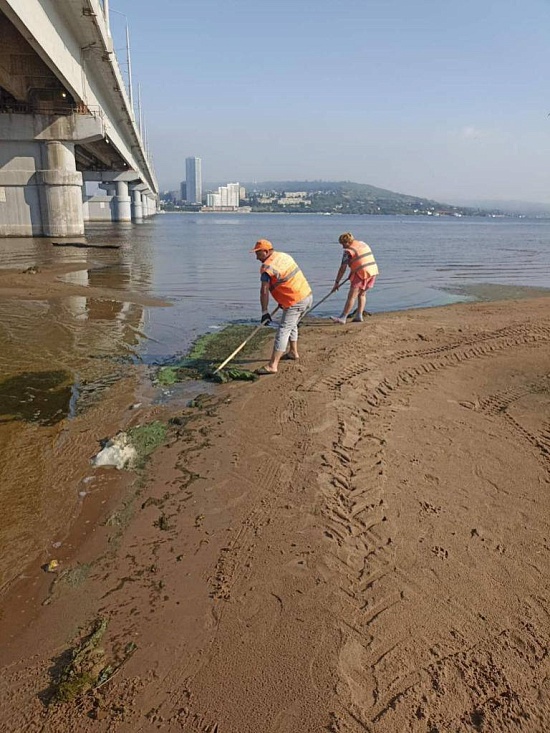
(43, 106)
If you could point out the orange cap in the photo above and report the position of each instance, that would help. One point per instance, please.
(264, 244)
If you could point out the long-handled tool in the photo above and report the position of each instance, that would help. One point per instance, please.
(316, 305)
(241, 346)
(255, 331)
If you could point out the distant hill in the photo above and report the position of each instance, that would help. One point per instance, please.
(515, 208)
(347, 197)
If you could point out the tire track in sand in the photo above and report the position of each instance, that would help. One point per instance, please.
(359, 523)
(497, 404)
(434, 359)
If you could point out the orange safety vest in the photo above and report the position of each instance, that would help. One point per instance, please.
(287, 283)
(361, 261)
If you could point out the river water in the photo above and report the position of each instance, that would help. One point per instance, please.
(202, 263)
(58, 355)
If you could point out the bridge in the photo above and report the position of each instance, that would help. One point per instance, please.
(66, 119)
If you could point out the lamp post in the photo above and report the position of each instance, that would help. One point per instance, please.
(106, 14)
(128, 58)
(140, 115)
(141, 126)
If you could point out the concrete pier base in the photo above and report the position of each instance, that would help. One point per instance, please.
(60, 191)
(41, 191)
(137, 207)
(123, 209)
(123, 192)
(149, 205)
(99, 208)
(40, 188)
(145, 204)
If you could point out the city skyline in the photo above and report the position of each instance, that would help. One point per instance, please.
(429, 99)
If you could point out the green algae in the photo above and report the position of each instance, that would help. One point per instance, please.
(168, 375)
(146, 439)
(229, 374)
(84, 668)
(210, 350)
(81, 667)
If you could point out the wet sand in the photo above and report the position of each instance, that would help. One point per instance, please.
(359, 543)
(67, 381)
(46, 282)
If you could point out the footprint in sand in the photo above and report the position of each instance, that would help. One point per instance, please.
(428, 508)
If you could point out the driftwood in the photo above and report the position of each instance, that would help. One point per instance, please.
(83, 245)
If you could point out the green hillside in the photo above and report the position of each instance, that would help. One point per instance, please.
(346, 197)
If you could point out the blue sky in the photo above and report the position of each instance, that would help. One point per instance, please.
(433, 98)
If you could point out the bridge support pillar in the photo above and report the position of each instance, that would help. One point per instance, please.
(123, 211)
(137, 206)
(149, 205)
(40, 188)
(60, 186)
(145, 203)
(108, 187)
(146, 209)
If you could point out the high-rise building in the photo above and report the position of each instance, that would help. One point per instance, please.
(233, 192)
(226, 197)
(214, 200)
(193, 179)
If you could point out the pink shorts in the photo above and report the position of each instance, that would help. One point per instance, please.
(363, 283)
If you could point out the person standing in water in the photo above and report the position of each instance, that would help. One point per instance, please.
(359, 258)
(281, 278)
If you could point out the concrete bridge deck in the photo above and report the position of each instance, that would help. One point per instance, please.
(65, 119)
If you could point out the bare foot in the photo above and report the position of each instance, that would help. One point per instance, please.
(291, 357)
(337, 319)
(266, 370)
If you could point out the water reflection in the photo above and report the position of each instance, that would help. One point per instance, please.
(60, 353)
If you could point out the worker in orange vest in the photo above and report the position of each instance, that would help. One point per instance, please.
(281, 277)
(359, 258)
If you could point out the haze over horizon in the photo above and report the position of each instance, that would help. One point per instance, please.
(429, 99)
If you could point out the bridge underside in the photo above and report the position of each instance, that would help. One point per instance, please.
(50, 146)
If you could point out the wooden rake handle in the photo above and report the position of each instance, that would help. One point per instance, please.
(323, 299)
(255, 331)
(241, 346)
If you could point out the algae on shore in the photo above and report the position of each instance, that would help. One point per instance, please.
(147, 438)
(85, 667)
(82, 666)
(210, 350)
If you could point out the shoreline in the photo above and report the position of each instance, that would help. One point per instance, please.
(86, 509)
(248, 539)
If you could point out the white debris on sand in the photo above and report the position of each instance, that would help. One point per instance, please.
(118, 452)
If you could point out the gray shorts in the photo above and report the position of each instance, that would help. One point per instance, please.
(289, 323)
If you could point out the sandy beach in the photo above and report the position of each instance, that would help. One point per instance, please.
(359, 543)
